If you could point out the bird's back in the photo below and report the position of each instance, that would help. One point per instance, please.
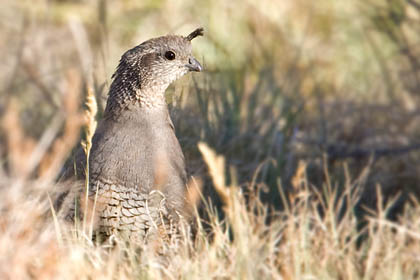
(137, 170)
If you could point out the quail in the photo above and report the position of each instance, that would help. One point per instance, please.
(137, 174)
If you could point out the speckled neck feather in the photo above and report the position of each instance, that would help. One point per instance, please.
(130, 89)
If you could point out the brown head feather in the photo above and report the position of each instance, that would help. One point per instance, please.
(198, 32)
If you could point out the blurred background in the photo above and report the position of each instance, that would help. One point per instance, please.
(327, 91)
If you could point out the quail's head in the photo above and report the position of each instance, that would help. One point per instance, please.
(158, 62)
(145, 71)
(165, 59)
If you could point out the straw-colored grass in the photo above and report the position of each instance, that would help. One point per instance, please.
(297, 243)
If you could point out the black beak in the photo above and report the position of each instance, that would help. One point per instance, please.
(194, 65)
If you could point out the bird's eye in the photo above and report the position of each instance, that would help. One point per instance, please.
(170, 55)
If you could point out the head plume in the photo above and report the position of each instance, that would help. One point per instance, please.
(198, 32)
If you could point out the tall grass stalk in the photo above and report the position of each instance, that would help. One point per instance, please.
(91, 124)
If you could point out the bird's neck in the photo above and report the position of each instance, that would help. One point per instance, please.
(152, 97)
(129, 97)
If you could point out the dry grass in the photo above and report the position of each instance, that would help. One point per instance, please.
(315, 237)
(302, 134)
